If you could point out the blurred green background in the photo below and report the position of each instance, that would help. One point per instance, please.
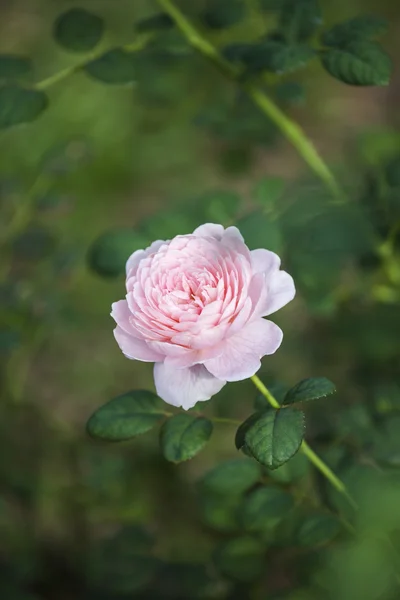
(177, 148)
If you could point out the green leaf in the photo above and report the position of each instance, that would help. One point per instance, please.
(158, 22)
(115, 67)
(267, 191)
(240, 559)
(310, 389)
(260, 231)
(220, 511)
(299, 19)
(294, 469)
(220, 14)
(264, 508)
(279, 57)
(13, 67)
(358, 63)
(20, 105)
(126, 416)
(183, 436)
(219, 206)
(108, 254)
(240, 441)
(316, 530)
(78, 30)
(290, 93)
(231, 477)
(275, 436)
(364, 27)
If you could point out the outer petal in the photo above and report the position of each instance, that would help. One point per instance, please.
(242, 352)
(281, 290)
(135, 258)
(134, 348)
(209, 230)
(264, 261)
(120, 313)
(185, 387)
(278, 288)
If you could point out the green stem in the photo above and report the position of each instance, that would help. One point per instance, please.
(289, 128)
(305, 448)
(135, 46)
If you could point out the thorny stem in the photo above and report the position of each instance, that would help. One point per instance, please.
(289, 128)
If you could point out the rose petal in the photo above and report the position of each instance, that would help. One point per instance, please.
(185, 387)
(281, 290)
(134, 348)
(209, 230)
(242, 352)
(264, 261)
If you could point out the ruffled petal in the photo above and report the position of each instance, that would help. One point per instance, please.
(209, 230)
(134, 348)
(185, 387)
(242, 352)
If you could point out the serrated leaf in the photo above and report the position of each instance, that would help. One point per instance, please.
(231, 477)
(14, 67)
(126, 416)
(115, 67)
(299, 19)
(276, 436)
(240, 559)
(78, 30)
(310, 389)
(158, 22)
(267, 191)
(264, 508)
(108, 254)
(316, 530)
(20, 105)
(183, 436)
(358, 63)
(220, 14)
(260, 231)
(240, 441)
(363, 27)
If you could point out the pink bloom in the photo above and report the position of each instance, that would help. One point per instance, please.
(195, 306)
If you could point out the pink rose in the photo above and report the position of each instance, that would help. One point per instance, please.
(195, 306)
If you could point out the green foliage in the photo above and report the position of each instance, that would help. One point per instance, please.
(316, 530)
(309, 389)
(183, 436)
(273, 436)
(220, 14)
(115, 67)
(14, 67)
(126, 416)
(278, 57)
(264, 508)
(231, 477)
(364, 27)
(358, 63)
(260, 231)
(267, 191)
(20, 105)
(35, 243)
(292, 471)
(240, 559)
(299, 19)
(290, 93)
(78, 30)
(108, 254)
(155, 23)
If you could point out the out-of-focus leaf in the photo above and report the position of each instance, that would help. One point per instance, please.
(240, 559)
(126, 416)
(14, 67)
(316, 530)
(20, 105)
(220, 511)
(108, 254)
(294, 469)
(278, 57)
(231, 477)
(265, 507)
(275, 436)
(267, 191)
(155, 23)
(299, 19)
(358, 63)
(183, 436)
(290, 93)
(260, 231)
(78, 30)
(115, 67)
(220, 14)
(363, 27)
(219, 206)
